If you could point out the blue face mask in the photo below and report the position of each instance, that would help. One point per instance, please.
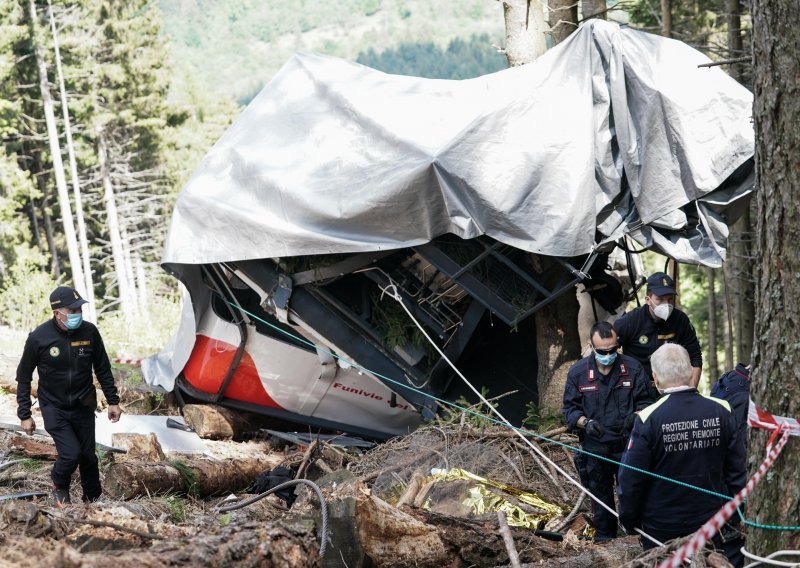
(73, 321)
(606, 359)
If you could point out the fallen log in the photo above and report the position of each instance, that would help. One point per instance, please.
(139, 447)
(196, 477)
(219, 423)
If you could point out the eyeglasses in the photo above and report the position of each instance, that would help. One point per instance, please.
(605, 351)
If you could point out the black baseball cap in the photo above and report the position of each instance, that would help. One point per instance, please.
(66, 297)
(661, 284)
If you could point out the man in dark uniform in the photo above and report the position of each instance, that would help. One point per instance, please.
(64, 351)
(687, 437)
(602, 393)
(734, 386)
(645, 329)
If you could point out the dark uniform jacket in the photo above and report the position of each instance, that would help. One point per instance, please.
(687, 437)
(640, 334)
(609, 399)
(65, 359)
(734, 386)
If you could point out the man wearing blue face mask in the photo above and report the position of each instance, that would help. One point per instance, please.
(602, 393)
(65, 351)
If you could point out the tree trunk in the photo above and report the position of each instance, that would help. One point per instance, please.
(563, 19)
(743, 288)
(55, 152)
(85, 287)
(594, 9)
(713, 365)
(525, 31)
(198, 477)
(48, 228)
(219, 423)
(740, 257)
(112, 222)
(734, 37)
(666, 18)
(730, 363)
(558, 344)
(776, 356)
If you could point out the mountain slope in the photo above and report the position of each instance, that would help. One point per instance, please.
(233, 47)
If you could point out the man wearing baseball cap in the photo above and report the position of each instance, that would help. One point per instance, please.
(65, 351)
(643, 330)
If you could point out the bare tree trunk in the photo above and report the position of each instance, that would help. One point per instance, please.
(776, 355)
(666, 18)
(563, 19)
(37, 239)
(734, 37)
(594, 9)
(713, 365)
(730, 363)
(141, 285)
(55, 151)
(112, 222)
(741, 262)
(525, 31)
(558, 344)
(743, 288)
(48, 228)
(86, 288)
(126, 248)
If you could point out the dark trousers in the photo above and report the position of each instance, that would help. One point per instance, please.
(73, 432)
(599, 477)
(728, 541)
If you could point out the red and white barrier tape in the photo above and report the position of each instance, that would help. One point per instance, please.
(758, 418)
(712, 526)
(127, 361)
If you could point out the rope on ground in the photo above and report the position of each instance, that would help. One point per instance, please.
(712, 526)
(323, 506)
(759, 560)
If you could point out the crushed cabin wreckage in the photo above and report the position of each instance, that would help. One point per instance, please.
(338, 181)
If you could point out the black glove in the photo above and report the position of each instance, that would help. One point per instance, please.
(595, 429)
(628, 427)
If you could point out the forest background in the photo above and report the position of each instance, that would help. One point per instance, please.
(138, 91)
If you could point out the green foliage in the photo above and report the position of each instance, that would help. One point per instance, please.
(480, 415)
(177, 508)
(702, 24)
(542, 419)
(189, 476)
(232, 46)
(460, 60)
(30, 464)
(145, 335)
(23, 301)
(224, 519)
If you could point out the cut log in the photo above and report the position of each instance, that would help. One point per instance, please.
(140, 447)
(219, 423)
(198, 477)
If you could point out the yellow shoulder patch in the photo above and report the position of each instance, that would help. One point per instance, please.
(645, 413)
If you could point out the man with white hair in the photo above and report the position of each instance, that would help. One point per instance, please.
(686, 437)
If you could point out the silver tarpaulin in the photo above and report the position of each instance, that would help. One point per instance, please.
(614, 130)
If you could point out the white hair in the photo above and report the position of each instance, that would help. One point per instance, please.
(671, 365)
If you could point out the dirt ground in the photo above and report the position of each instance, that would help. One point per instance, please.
(384, 506)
